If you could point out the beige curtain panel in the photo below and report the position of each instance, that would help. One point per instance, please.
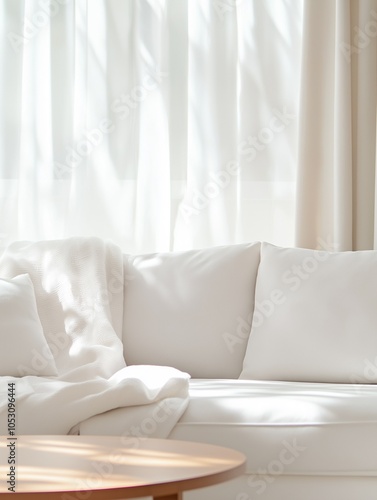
(336, 181)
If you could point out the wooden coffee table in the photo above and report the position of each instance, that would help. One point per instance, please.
(108, 467)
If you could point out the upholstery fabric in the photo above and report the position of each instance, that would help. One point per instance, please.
(191, 310)
(310, 429)
(315, 317)
(24, 349)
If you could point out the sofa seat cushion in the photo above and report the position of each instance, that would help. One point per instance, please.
(287, 427)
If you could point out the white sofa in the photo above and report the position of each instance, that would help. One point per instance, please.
(298, 395)
(281, 346)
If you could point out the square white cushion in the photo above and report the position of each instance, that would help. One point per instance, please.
(191, 310)
(315, 317)
(24, 349)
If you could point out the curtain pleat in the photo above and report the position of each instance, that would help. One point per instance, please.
(337, 115)
(166, 125)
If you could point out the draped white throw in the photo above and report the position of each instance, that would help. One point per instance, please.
(80, 300)
(165, 124)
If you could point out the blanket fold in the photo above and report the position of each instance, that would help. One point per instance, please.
(79, 288)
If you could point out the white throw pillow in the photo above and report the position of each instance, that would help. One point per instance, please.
(191, 310)
(315, 317)
(24, 349)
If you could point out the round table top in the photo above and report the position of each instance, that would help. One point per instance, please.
(111, 467)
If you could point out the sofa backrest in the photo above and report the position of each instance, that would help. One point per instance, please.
(191, 310)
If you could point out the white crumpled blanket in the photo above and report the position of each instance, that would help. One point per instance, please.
(79, 289)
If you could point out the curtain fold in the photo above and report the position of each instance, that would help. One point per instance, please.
(336, 192)
(166, 125)
(157, 124)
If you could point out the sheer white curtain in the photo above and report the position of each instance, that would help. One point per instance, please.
(336, 188)
(159, 124)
